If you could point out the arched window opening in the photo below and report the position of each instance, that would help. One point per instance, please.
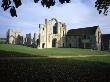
(54, 26)
(63, 33)
(55, 29)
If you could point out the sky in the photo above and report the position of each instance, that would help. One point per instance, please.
(77, 14)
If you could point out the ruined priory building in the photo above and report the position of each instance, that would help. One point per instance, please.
(89, 37)
(52, 35)
(14, 37)
(56, 35)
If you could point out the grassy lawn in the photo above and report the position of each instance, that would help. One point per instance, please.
(7, 50)
(54, 70)
(75, 69)
(51, 51)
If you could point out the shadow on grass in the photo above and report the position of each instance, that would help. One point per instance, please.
(16, 54)
(53, 70)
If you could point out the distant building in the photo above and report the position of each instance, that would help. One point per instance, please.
(35, 38)
(35, 41)
(3, 40)
(20, 40)
(13, 37)
(105, 41)
(28, 39)
(57, 36)
(89, 37)
(52, 34)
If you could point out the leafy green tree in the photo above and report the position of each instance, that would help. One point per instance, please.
(101, 5)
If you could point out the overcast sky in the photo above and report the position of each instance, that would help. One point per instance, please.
(77, 14)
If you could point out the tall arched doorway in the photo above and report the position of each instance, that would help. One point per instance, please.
(43, 45)
(54, 41)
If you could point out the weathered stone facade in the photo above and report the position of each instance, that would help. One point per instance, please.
(13, 37)
(35, 38)
(28, 39)
(55, 34)
(105, 41)
(52, 36)
(89, 37)
(58, 36)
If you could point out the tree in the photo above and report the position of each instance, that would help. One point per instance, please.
(101, 5)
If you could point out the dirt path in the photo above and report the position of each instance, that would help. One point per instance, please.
(53, 57)
(77, 56)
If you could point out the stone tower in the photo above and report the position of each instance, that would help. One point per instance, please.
(52, 34)
(28, 39)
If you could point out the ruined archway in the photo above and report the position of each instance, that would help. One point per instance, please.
(54, 41)
(54, 20)
(12, 36)
(54, 26)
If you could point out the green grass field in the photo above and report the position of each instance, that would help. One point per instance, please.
(76, 69)
(51, 51)
(7, 50)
